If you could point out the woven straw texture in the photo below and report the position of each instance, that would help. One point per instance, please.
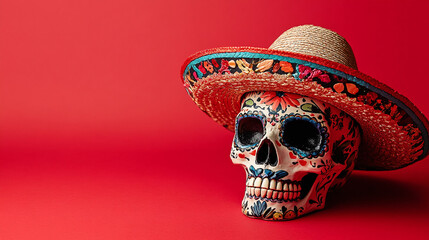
(316, 41)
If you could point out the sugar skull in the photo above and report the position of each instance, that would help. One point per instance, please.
(293, 149)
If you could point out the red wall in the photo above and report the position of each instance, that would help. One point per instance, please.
(100, 141)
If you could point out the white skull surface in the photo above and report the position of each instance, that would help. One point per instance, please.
(294, 149)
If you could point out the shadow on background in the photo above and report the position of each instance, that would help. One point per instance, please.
(369, 194)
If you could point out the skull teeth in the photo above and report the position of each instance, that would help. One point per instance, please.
(284, 190)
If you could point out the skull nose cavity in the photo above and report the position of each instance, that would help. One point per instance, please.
(267, 154)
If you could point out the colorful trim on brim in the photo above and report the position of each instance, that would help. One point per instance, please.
(394, 131)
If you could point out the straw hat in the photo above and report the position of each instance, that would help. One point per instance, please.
(318, 63)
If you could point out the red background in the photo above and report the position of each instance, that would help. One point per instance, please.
(100, 141)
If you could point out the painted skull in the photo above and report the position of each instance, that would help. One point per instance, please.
(294, 149)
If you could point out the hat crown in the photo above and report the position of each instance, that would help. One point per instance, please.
(316, 41)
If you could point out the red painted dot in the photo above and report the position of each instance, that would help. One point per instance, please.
(240, 155)
(302, 162)
(291, 155)
(278, 143)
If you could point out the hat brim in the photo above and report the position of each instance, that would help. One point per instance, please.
(395, 132)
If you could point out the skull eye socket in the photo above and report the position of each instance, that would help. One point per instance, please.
(249, 131)
(302, 135)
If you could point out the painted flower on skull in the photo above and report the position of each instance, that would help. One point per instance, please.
(280, 100)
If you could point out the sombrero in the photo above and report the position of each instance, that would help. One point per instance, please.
(318, 63)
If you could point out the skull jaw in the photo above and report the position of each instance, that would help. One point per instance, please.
(291, 205)
(280, 210)
(266, 210)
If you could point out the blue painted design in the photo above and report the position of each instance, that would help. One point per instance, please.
(320, 151)
(280, 174)
(252, 172)
(258, 208)
(259, 171)
(266, 173)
